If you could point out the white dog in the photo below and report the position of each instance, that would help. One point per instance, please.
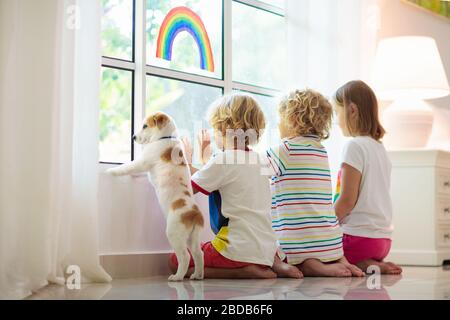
(165, 162)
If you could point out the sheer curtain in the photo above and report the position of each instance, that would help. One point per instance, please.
(49, 83)
(329, 43)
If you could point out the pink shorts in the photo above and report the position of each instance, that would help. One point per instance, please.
(357, 249)
(213, 259)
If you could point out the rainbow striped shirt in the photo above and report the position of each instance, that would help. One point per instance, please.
(302, 210)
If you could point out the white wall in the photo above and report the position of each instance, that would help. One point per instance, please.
(402, 19)
(334, 41)
(130, 218)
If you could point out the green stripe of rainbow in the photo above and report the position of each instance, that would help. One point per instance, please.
(338, 187)
(184, 19)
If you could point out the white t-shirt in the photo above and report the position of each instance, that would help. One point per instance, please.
(372, 215)
(240, 204)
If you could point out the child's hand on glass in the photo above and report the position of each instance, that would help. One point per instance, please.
(187, 149)
(204, 143)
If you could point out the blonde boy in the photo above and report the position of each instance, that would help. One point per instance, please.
(239, 196)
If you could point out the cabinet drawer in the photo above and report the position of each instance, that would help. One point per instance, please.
(443, 182)
(443, 207)
(444, 237)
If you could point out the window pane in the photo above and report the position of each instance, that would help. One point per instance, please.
(259, 47)
(269, 105)
(183, 39)
(117, 29)
(115, 115)
(186, 102)
(275, 3)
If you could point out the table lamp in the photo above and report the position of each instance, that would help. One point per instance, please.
(409, 70)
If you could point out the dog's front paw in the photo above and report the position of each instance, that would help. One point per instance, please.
(115, 172)
(175, 277)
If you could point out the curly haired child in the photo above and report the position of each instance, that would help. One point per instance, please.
(303, 217)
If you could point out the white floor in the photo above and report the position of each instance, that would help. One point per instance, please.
(415, 283)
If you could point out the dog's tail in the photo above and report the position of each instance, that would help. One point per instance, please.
(193, 218)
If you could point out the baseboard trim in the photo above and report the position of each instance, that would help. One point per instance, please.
(419, 258)
(136, 265)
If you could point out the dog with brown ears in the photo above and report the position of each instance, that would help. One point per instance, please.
(164, 160)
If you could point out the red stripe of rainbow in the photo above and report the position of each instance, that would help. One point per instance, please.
(184, 19)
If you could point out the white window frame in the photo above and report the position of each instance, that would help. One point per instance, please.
(141, 70)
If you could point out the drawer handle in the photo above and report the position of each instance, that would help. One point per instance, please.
(447, 184)
(446, 210)
(446, 237)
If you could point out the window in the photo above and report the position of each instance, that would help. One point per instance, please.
(115, 115)
(259, 42)
(117, 29)
(179, 56)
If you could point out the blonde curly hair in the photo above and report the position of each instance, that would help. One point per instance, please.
(237, 111)
(307, 112)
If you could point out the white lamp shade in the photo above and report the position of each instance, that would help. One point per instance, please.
(409, 67)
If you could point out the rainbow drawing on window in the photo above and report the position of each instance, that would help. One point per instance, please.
(184, 19)
(338, 187)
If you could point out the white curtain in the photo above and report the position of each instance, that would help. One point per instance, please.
(331, 42)
(49, 84)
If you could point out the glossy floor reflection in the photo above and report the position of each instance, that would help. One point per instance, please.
(415, 283)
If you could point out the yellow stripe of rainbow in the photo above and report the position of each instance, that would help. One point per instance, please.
(338, 186)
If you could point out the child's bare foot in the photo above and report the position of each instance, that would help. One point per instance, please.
(394, 267)
(316, 268)
(284, 270)
(385, 267)
(356, 272)
(255, 272)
